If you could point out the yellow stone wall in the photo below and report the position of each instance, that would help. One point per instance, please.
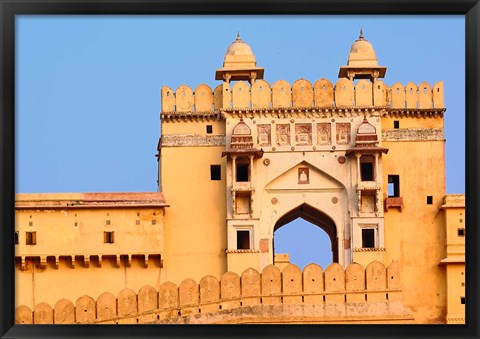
(415, 235)
(195, 222)
(454, 209)
(70, 257)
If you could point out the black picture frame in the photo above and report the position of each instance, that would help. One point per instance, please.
(10, 8)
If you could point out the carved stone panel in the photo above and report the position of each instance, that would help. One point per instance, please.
(303, 134)
(324, 134)
(343, 133)
(264, 135)
(283, 134)
(303, 175)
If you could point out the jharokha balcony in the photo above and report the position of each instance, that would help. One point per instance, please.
(393, 202)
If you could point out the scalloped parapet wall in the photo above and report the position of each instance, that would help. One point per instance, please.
(272, 287)
(301, 94)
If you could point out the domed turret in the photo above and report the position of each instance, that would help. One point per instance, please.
(362, 62)
(239, 63)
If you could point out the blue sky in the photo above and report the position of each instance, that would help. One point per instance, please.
(88, 88)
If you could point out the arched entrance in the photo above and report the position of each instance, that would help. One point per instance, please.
(316, 217)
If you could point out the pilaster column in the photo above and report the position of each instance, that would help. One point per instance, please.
(376, 168)
(234, 169)
(359, 177)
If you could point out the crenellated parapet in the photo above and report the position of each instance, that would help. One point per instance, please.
(323, 94)
(252, 294)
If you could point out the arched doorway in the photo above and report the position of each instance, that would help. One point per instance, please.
(315, 217)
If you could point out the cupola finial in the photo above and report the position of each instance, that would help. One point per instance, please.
(361, 37)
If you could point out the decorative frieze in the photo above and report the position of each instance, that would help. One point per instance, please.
(283, 134)
(300, 113)
(264, 135)
(343, 133)
(380, 249)
(189, 140)
(324, 134)
(303, 134)
(413, 134)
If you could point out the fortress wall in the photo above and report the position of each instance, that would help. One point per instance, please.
(301, 94)
(270, 287)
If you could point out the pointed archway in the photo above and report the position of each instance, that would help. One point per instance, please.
(317, 218)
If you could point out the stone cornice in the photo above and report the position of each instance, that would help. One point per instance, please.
(191, 140)
(413, 134)
(380, 249)
(414, 112)
(304, 112)
(189, 116)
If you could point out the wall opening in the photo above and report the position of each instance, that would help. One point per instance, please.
(215, 172)
(393, 186)
(368, 238)
(30, 238)
(367, 168)
(108, 237)
(242, 172)
(243, 240)
(307, 235)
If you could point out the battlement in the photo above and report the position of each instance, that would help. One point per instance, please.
(324, 293)
(301, 94)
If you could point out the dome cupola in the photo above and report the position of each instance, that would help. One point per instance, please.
(239, 63)
(362, 62)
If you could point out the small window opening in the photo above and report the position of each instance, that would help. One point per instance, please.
(209, 129)
(462, 300)
(16, 238)
(243, 240)
(368, 238)
(461, 232)
(393, 186)
(396, 124)
(242, 172)
(215, 172)
(366, 171)
(429, 200)
(31, 238)
(108, 237)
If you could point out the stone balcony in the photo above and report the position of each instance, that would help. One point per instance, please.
(396, 202)
(368, 186)
(245, 186)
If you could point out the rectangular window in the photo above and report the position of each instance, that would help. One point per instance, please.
(16, 238)
(462, 300)
(243, 240)
(367, 171)
(215, 172)
(209, 129)
(368, 238)
(429, 200)
(31, 238)
(461, 232)
(393, 186)
(242, 172)
(396, 124)
(108, 237)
